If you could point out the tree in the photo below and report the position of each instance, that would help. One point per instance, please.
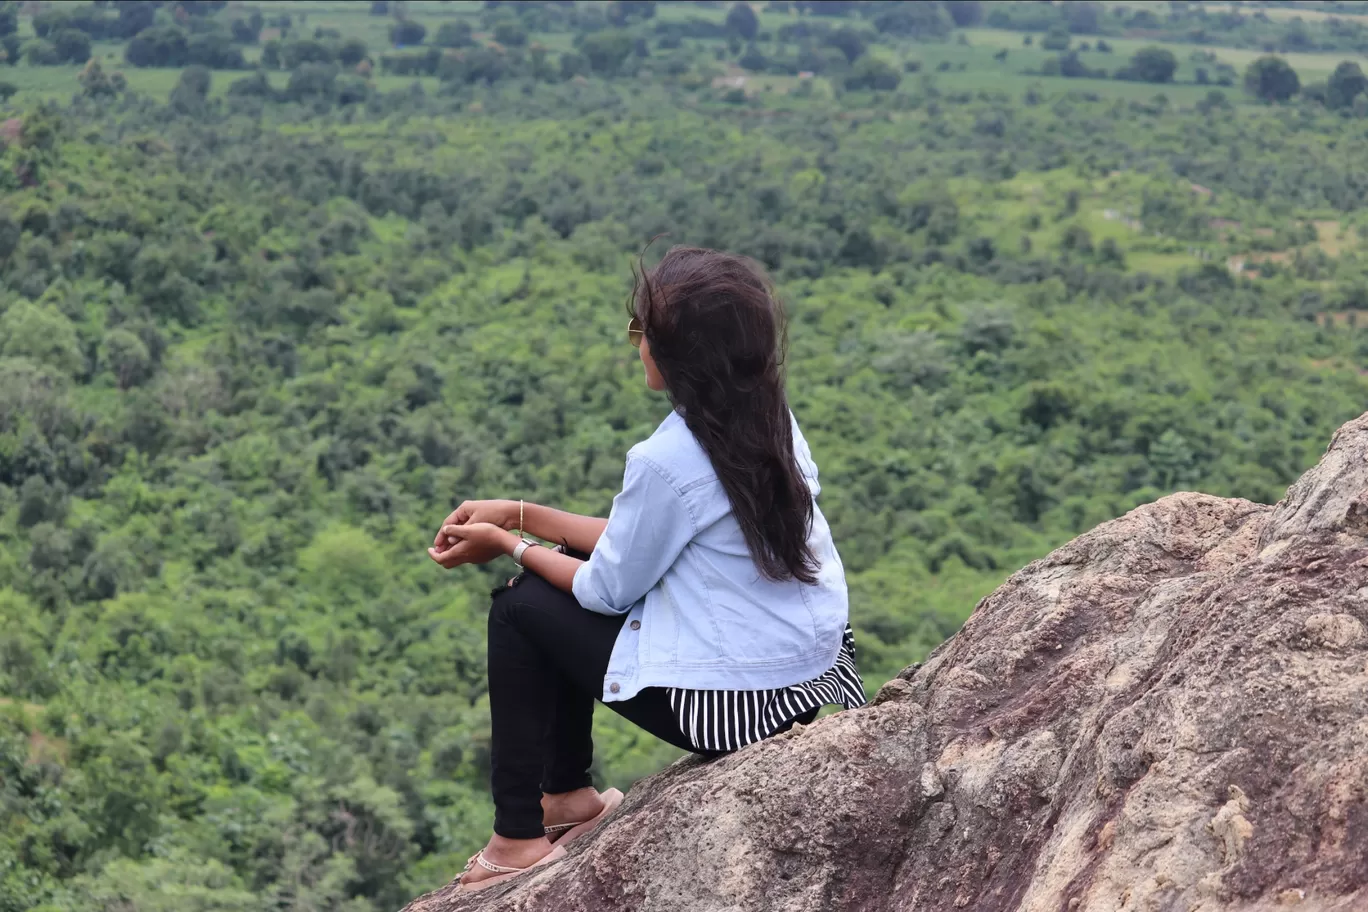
(873, 73)
(72, 46)
(848, 41)
(573, 64)
(754, 59)
(161, 46)
(42, 333)
(96, 83)
(510, 34)
(1056, 40)
(243, 33)
(1150, 64)
(454, 35)
(9, 19)
(7, 91)
(125, 355)
(1083, 17)
(1345, 84)
(351, 52)
(406, 32)
(49, 21)
(1271, 78)
(606, 50)
(964, 12)
(192, 89)
(741, 20)
(923, 21)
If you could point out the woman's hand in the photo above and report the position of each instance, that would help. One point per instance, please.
(502, 513)
(470, 543)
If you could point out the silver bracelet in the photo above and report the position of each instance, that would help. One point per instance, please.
(520, 548)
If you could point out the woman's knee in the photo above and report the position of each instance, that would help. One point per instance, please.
(512, 604)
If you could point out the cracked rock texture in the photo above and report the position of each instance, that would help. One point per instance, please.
(1168, 713)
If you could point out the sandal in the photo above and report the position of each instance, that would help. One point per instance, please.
(564, 833)
(502, 873)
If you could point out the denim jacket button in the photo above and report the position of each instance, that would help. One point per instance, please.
(614, 687)
(636, 625)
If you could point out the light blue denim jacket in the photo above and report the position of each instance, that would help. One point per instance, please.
(699, 614)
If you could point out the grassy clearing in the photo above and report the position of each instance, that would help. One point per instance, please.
(1284, 13)
(1306, 64)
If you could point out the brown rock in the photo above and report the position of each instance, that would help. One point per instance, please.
(1169, 712)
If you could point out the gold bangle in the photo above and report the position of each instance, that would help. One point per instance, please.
(522, 531)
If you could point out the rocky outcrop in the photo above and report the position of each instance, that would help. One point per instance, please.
(1168, 713)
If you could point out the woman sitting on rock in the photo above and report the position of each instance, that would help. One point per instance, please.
(709, 608)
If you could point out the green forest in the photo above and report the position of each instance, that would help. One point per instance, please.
(282, 283)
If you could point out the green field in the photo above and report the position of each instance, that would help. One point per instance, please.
(969, 67)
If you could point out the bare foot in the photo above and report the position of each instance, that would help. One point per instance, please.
(508, 853)
(571, 807)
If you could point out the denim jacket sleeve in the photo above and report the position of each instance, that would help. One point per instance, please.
(648, 526)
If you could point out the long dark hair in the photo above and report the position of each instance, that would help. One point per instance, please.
(718, 335)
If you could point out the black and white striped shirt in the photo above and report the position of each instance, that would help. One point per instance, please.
(727, 720)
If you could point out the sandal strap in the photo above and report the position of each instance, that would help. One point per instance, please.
(493, 868)
(560, 827)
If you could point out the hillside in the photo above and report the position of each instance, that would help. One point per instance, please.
(260, 329)
(1167, 712)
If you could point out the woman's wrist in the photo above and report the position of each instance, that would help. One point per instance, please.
(515, 512)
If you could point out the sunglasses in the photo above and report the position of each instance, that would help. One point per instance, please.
(634, 332)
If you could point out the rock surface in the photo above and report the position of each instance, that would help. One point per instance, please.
(1168, 713)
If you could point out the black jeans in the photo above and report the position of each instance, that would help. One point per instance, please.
(547, 659)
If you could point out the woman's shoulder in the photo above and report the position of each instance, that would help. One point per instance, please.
(675, 453)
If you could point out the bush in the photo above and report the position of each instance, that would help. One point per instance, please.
(161, 46)
(872, 73)
(753, 60)
(38, 52)
(510, 34)
(407, 32)
(1150, 64)
(454, 35)
(1057, 40)
(606, 50)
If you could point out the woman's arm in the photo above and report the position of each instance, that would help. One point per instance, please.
(647, 529)
(481, 541)
(579, 533)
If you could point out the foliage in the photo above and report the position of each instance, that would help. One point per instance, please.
(743, 21)
(1345, 85)
(407, 32)
(1150, 64)
(1270, 78)
(872, 73)
(454, 35)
